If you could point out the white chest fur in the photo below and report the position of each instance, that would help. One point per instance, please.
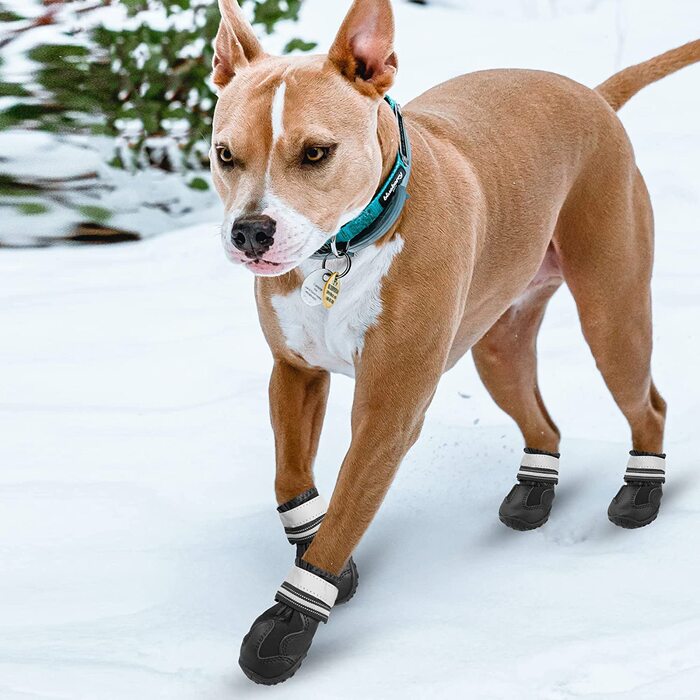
(333, 338)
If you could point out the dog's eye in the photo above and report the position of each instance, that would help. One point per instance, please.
(225, 155)
(316, 154)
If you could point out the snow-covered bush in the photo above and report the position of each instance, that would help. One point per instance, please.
(126, 78)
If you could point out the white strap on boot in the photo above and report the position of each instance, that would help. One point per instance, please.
(537, 467)
(302, 516)
(308, 593)
(646, 468)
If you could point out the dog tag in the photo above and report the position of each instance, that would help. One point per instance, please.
(313, 286)
(331, 290)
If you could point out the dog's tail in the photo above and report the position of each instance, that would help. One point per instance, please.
(628, 82)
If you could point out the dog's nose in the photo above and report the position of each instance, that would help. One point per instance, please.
(253, 235)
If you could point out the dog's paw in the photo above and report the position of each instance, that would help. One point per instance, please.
(277, 644)
(527, 506)
(280, 638)
(636, 504)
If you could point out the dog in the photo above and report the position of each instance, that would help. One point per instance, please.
(388, 243)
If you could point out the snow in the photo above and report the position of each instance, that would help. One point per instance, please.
(138, 535)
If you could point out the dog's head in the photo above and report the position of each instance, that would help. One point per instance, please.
(295, 151)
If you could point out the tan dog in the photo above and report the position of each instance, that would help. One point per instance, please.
(526, 178)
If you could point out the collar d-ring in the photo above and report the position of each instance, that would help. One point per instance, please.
(348, 264)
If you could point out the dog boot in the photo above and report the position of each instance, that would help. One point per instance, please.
(301, 518)
(280, 638)
(637, 502)
(529, 502)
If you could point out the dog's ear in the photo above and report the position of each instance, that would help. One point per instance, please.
(363, 51)
(235, 45)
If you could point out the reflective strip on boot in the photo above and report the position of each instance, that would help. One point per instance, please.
(302, 516)
(642, 467)
(539, 467)
(308, 593)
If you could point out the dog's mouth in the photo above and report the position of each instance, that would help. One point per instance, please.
(262, 261)
(267, 268)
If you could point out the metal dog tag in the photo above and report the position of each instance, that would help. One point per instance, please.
(331, 290)
(313, 287)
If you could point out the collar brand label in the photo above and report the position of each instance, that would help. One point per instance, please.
(391, 190)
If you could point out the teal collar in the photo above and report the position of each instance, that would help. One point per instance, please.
(380, 215)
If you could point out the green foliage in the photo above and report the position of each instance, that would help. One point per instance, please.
(32, 208)
(9, 16)
(12, 90)
(10, 188)
(135, 84)
(97, 214)
(299, 45)
(198, 183)
(269, 12)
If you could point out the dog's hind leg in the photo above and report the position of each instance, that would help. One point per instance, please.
(606, 247)
(506, 359)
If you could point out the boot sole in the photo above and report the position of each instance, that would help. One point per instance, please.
(520, 525)
(628, 524)
(260, 680)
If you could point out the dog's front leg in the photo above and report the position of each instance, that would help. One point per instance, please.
(298, 397)
(388, 413)
(396, 380)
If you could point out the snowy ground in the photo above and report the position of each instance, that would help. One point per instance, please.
(138, 536)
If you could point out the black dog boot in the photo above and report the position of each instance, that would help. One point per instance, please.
(280, 638)
(637, 502)
(529, 502)
(301, 518)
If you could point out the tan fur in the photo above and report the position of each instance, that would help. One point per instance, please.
(623, 86)
(366, 58)
(521, 180)
(236, 46)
